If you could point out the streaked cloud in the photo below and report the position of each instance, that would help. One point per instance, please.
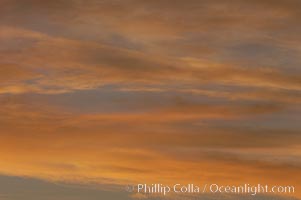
(118, 92)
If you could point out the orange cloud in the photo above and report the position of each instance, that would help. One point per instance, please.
(115, 149)
(220, 84)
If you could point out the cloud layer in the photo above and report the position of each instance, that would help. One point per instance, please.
(118, 92)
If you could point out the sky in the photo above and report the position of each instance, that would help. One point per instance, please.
(99, 94)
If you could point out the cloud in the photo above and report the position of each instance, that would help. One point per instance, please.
(66, 65)
(77, 48)
(118, 148)
(119, 92)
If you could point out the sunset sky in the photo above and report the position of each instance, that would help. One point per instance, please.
(99, 94)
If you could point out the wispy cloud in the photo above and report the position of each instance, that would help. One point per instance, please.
(116, 92)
